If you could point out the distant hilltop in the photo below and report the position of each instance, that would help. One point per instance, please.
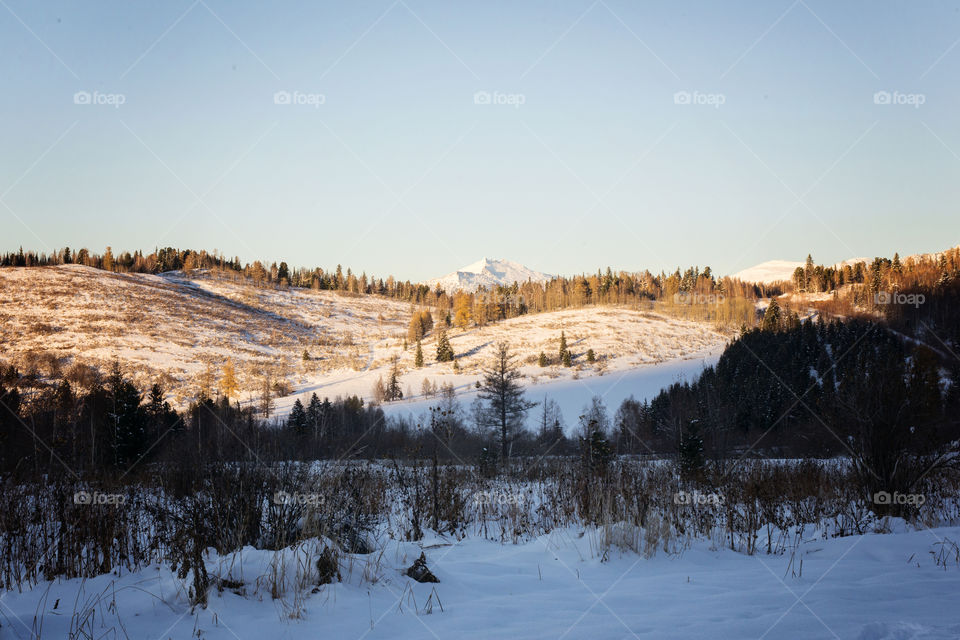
(488, 273)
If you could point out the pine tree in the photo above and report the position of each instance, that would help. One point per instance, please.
(418, 356)
(444, 350)
(506, 407)
(800, 279)
(542, 360)
(771, 317)
(298, 418)
(565, 357)
(314, 414)
(128, 420)
(392, 390)
(690, 450)
(808, 270)
(591, 356)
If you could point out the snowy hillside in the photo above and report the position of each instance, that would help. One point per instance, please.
(769, 271)
(777, 270)
(183, 329)
(488, 273)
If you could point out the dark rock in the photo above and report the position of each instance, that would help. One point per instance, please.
(419, 571)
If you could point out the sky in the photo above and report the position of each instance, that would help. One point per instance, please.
(412, 137)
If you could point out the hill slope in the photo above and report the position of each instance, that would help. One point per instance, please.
(184, 328)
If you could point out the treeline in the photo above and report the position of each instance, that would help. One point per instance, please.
(693, 292)
(849, 388)
(918, 296)
(917, 271)
(106, 425)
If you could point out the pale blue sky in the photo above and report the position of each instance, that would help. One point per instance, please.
(598, 166)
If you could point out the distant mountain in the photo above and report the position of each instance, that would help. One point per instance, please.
(769, 271)
(488, 273)
(776, 270)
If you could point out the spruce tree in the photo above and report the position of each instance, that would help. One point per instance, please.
(314, 414)
(418, 356)
(444, 350)
(542, 360)
(298, 418)
(506, 407)
(128, 420)
(564, 352)
(771, 317)
(690, 450)
(392, 390)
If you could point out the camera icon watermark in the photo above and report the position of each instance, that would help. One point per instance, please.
(887, 498)
(697, 498)
(497, 498)
(299, 98)
(895, 297)
(914, 100)
(115, 100)
(515, 100)
(506, 299)
(715, 100)
(693, 297)
(95, 498)
(297, 498)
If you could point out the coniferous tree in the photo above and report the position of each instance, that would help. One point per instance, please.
(506, 407)
(127, 420)
(444, 350)
(392, 389)
(418, 356)
(690, 450)
(314, 415)
(564, 353)
(772, 316)
(298, 418)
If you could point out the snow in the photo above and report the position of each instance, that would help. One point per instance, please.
(777, 270)
(769, 272)
(870, 587)
(488, 273)
(574, 395)
(176, 325)
(638, 352)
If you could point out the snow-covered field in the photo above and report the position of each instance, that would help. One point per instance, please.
(178, 328)
(871, 587)
(643, 382)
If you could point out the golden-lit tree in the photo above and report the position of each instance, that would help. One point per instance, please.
(229, 386)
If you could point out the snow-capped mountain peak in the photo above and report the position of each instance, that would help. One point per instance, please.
(488, 273)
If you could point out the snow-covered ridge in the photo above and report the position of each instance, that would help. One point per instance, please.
(488, 273)
(777, 270)
(769, 271)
